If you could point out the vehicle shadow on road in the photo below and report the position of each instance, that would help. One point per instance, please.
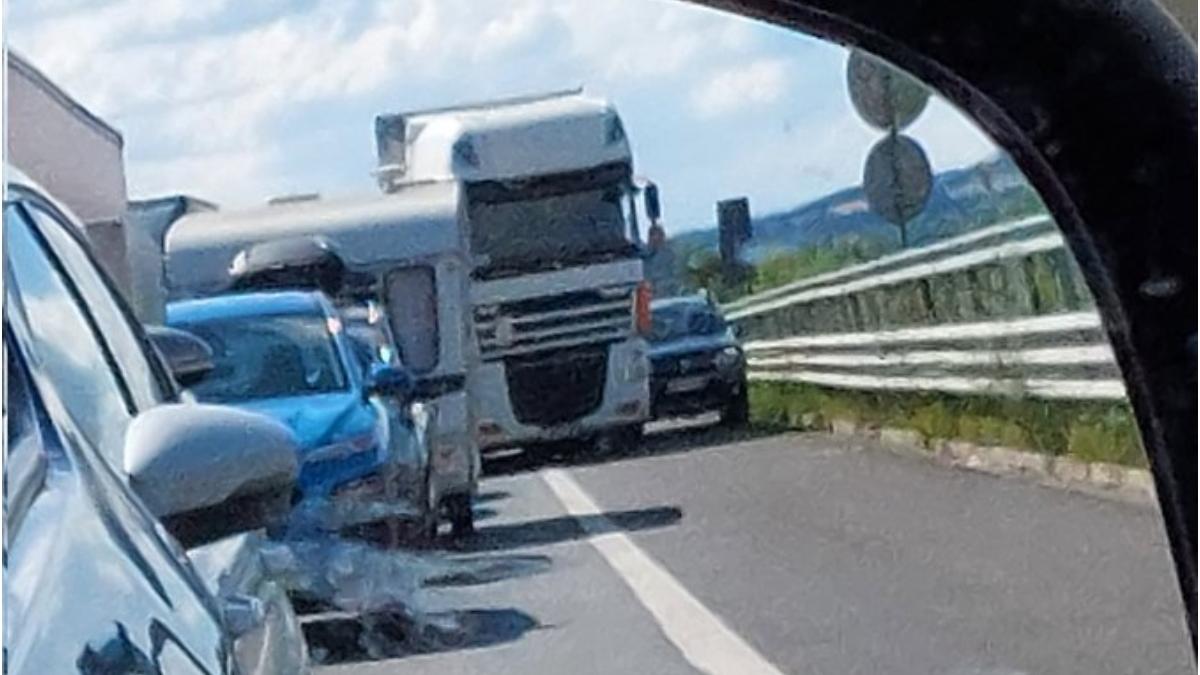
(673, 439)
(383, 636)
(400, 628)
(546, 531)
(491, 496)
(489, 569)
(484, 513)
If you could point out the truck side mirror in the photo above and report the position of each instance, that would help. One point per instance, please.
(653, 208)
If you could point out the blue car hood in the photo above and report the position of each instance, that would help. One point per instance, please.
(317, 419)
(691, 344)
(322, 419)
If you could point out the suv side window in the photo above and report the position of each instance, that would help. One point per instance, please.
(66, 344)
(139, 366)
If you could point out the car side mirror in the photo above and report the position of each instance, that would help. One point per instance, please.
(208, 471)
(186, 355)
(391, 381)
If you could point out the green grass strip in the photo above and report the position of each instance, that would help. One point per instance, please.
(1094, 431)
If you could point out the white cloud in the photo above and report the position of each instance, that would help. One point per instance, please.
(732, 89)
(66, 42)
(519, 28)
(624, 40)
(205, 90)
(234, 177)
(153, 68)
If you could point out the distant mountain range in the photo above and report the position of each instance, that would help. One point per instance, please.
(961, 200)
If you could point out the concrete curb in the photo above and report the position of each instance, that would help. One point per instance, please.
(1124, 483)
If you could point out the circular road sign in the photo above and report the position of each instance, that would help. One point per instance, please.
(897, 179)
(885, 96)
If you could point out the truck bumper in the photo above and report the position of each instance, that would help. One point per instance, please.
(626, 401)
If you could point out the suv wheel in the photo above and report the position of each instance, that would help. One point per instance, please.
(462, 516)
(736, 412)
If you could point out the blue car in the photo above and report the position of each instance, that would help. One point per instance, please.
(286, 354)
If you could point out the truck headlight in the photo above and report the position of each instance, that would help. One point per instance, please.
(728, 359)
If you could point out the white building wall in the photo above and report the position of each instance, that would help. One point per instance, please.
(72, 153)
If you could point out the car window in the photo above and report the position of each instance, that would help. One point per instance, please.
(24, 458)
(365, 326)
(140, 368)
(261, 357)
(66, 344)
(365, 353)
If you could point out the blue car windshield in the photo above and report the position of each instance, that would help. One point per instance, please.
(258, 357)
(673, 322)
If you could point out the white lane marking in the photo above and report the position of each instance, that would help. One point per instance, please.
(704, 640)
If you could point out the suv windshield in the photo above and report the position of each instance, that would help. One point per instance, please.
(269, 357)
(681, 320)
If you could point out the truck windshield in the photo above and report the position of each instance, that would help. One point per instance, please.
(257, 357)
(549, 222)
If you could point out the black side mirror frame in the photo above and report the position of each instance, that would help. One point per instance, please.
(209, 471)
(391, 381)
(186, 355)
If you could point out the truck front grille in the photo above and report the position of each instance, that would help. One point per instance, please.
(557, 387)
(552, 322)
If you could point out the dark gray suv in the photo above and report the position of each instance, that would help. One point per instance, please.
(697, 364)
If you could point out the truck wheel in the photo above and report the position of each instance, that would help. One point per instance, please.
(429, 531)
(617, 442)
(630, 437)
(462, 516)
(736, 412)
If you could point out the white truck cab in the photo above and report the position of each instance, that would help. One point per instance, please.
(558, 301)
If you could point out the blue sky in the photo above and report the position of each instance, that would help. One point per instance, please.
(237, 101)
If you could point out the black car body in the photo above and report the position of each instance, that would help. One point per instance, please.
(697, 364)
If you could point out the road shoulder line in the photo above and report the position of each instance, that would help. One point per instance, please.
(703, 639)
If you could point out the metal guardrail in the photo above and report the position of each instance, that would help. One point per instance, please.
(1057, 354)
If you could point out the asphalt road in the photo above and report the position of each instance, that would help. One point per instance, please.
(795, 554)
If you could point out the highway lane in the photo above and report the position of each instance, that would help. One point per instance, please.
(802, 553)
